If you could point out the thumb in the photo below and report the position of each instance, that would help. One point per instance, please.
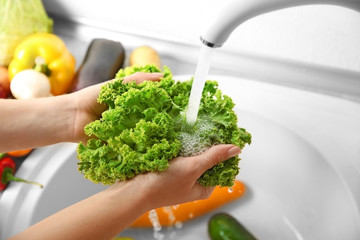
(215, 155)
(140, 77)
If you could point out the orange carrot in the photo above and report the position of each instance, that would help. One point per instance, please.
(20, 153)
(186, 211)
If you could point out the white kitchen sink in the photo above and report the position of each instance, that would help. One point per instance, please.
(302, 170)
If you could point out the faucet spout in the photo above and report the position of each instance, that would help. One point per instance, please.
(239, 11)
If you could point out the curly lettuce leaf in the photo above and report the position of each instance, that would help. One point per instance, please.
(144, 128)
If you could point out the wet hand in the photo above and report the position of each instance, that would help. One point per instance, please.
(87, 109)
(178, 184)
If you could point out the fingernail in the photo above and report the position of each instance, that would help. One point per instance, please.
(159, 75)
(234, 151)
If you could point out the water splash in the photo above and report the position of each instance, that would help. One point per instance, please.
(175, 206)
(154, 219)
(178, 224)
(170, 214)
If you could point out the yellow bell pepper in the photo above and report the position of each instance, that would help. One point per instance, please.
(57, 62)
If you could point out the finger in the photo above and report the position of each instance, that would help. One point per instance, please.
(140, 77)
(215, 155)
(203, 192)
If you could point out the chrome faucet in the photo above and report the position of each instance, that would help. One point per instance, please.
(239, 11)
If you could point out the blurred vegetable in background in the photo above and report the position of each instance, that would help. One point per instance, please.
(102, 61)
(223, 226)
(19, 18)
(187, 211)
(19, 153)
(30, 84)
(56, 61)
(145, 55)
(7, 170)
(4, 83)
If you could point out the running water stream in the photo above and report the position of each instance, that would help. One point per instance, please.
(201, 73)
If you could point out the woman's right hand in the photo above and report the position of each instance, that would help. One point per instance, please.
(178, 184)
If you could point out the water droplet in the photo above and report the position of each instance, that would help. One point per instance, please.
(230, 190)
(170, 214)
(178, 224)
(154, 219)
(158, 236)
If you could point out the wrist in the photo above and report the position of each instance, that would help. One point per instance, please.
(127, 202)
(68, 108)
(85, 109)
(129, 190)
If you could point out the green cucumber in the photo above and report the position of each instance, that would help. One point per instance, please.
(222, 226)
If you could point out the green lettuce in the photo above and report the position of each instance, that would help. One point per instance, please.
(19, 18)
(144, 128)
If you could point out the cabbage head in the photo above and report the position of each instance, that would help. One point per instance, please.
(19, 18)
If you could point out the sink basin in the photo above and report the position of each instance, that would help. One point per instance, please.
(302, 170)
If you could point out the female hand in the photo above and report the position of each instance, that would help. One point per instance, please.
(109, 212)
(178, 184)
(87, 107)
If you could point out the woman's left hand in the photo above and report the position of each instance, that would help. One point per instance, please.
(87, 107)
